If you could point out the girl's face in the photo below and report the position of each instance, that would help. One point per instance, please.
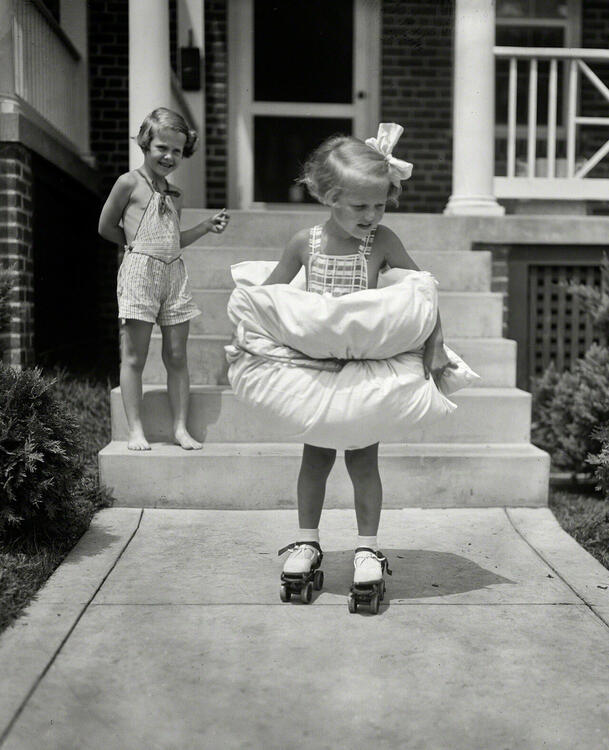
(165, 151)
(359, 210)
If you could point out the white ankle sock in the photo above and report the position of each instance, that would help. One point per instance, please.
(308, 535)
(367, 541)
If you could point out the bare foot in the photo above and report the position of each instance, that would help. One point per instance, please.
(137, 442)
(186, 441)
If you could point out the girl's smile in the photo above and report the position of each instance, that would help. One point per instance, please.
(358, 211)
(165, 152)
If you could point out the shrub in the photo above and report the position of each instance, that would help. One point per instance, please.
(601, 461)
(569, 407)
(43, 483)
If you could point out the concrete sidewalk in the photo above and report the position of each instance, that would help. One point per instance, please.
(164, 629)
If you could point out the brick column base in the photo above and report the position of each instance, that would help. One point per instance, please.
(16, 250)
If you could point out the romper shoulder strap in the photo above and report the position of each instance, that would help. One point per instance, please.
(366, 245)
(146, 180)
(315, 239)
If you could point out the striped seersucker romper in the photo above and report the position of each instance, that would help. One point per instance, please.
(337, 274)
(152, 281)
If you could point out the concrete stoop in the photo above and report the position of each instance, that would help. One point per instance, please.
(479, 456)
(260, 476)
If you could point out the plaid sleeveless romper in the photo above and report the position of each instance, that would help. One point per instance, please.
(337, 275)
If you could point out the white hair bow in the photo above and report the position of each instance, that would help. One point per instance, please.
(388, 135)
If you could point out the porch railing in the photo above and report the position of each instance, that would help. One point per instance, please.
(49, 74)
(551, 177)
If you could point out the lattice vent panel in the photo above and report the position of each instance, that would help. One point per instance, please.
(559, 330)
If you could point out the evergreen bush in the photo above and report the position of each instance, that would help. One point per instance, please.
(40, 461)
(601, 460)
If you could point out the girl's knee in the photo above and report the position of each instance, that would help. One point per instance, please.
(318, 459)
(362, 461)
(174, 358)
(134, 360)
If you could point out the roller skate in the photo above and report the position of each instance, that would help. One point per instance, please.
(368, 584)
(301, 572)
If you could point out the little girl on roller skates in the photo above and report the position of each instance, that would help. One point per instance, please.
(355, 179)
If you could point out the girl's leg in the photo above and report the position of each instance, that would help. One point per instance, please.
(178, 384)
(363, 468)
(135, 338)
(314, 470)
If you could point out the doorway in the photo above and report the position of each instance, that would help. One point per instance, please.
(298, 73)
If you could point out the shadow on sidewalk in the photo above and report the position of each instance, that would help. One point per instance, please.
(417, 573)
(90, 545)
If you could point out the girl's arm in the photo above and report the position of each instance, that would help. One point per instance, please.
(395, 254)
(112, 212)
(216, 223)
(435, 360)
(291, 260)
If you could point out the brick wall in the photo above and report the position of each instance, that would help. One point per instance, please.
(595, 34)
(16, 222)
(416, 91)
(216, 102)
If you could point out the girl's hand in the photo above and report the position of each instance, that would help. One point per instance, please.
(218, 222)
(435, 360)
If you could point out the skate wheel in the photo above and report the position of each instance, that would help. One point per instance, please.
(306, 593)
(374, 604)
(382, 590)
(352, 604)
(318, 580)
(284, 593)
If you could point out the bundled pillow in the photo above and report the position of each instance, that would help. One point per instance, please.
(338, 372)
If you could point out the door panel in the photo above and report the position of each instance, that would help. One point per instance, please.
(303, 52)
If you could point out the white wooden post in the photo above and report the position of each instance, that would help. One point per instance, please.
(474, 110)
(149, 65)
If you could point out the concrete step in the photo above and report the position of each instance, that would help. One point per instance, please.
(257, 476)
(485, 415)
(209, 267)
(464, 314)
(274, 228)
(494, 359)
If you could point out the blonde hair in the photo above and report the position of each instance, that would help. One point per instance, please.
(343, 162)
(161, 118)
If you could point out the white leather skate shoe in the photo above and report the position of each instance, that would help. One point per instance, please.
(304, 556)
(368, 567)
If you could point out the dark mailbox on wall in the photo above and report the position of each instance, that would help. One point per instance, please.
(190, 67)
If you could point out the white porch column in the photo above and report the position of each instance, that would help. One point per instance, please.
(149, 65)
(474, 110)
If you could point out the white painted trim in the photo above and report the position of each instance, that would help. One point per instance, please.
(547, 53)
(551, 188)
(240, 37)
(366, 67)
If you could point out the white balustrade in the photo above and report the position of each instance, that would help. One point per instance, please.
(561, 178)
(50, 75)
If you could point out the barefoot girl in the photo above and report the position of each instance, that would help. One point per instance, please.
(344, 255)
(142, 213)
